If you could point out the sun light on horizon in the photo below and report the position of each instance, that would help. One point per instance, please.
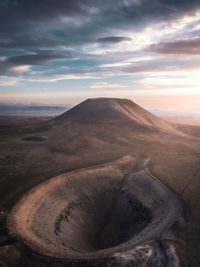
(63, 56)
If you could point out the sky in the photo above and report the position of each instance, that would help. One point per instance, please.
(65, 51)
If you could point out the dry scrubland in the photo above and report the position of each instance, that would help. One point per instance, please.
(96, 132)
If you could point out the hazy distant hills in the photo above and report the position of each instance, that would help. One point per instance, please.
(191, 114)
(40, 110)
(33, 110)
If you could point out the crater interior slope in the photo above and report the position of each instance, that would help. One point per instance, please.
(95, 212)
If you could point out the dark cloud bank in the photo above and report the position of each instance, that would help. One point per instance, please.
(113, 39)
(40, 58)
(44, 26)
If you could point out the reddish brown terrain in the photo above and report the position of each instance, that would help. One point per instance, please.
(87, 144)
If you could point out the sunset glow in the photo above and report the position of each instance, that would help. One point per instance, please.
(73, 51)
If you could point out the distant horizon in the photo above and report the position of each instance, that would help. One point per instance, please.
(49, 110)
(153, 102)
(42, 104)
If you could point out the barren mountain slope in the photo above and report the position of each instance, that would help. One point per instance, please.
(94, 132)
(113, 110)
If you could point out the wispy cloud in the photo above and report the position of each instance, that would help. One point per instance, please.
(20, 69)
(106, 85)
(189, 46)
(8, 81)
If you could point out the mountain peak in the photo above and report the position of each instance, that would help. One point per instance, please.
(111, 110)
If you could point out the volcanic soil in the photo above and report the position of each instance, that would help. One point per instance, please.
(96, 132)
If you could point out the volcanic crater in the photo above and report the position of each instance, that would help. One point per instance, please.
(95, 212)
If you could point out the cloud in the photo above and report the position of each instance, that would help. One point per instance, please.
(2, 58)
(18, 65)
(19, 69)
(29, 41)
(71, 77)
(59, 77)
(184, 47)
(35, 10)
(132, 2)
(105, 85)
(164, 64)
(8, 81)
(104, 39)
(113, 39)
(39, 58)
(52, 23)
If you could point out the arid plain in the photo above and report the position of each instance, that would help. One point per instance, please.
(96, 134)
